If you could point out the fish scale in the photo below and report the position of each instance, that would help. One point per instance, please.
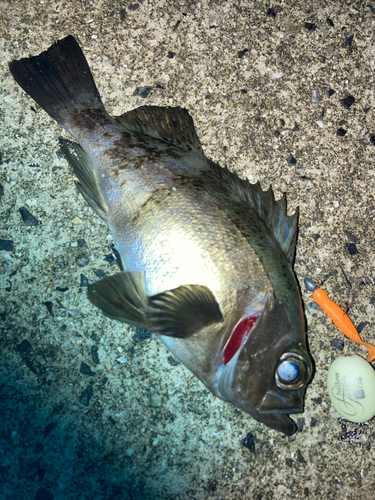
(206, 257)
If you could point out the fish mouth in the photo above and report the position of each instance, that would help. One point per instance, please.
(274, 402)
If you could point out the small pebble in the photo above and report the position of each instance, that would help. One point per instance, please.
(100, 274)
(289, 462)
(241, 53)
(352, 237)
(338, 343)
(348, 41)
(86, 395)
(110, 258)
(173, 361)
(86, 370)
(315, 96)
(193, 410)
(7, 245)
(84, 280)
(49, 306)
(291, 160)
(155, 400)
(142, 91)
(300, 424)
(317, 400)
(310, 26)
(271, 12)
(300, 458)
(28, 218)
(82, 261)
(341, 132)
(362, 325)
(351, 248)
(330, 22)
(141, 334)
(94, 354)
(129, 452)
(122, 360)
(330, 92)
(348, 101)
(24, 347)
(249, 442)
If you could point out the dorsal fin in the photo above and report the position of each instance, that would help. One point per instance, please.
(171, 125)
(284, 227)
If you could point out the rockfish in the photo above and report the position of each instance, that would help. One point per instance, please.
(206, 257)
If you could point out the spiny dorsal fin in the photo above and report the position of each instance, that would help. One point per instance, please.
(171, 125)
(284, 227)
(84, 170)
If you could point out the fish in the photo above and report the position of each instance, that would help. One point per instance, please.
(206, 258)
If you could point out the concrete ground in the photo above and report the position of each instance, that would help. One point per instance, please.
(87, 412)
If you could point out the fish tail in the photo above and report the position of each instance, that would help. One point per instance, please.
(59, 80)
(371, 352)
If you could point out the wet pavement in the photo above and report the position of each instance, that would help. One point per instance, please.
(281, 93)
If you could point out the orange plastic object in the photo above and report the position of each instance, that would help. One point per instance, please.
(341, 320)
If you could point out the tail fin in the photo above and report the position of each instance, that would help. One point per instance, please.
(59, 79)
(371, 352)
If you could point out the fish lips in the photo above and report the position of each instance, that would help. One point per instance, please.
(248, 381)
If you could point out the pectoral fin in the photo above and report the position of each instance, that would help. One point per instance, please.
(121, 297)
(183, 311)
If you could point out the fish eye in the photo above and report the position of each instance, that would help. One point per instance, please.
(291, 371)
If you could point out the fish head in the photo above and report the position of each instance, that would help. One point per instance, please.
(266, 376)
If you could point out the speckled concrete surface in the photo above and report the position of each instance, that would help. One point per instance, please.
(87, 412)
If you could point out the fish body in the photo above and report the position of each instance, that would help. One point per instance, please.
(206, 257)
